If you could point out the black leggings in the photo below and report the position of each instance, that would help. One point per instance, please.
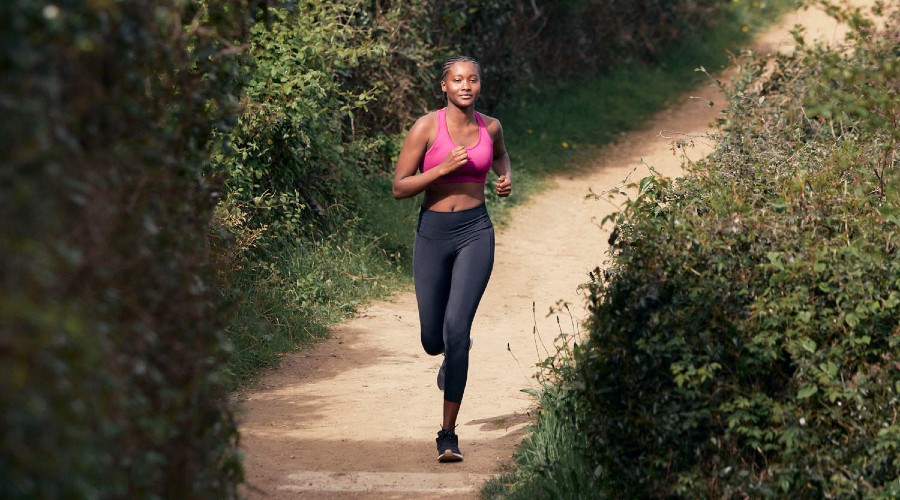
(452, 262)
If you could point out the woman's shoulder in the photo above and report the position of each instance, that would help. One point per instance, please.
(488, 119)
(428, 120)
(425, 125)
(492, 124)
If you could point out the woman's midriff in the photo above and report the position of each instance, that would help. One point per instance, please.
(454, 197)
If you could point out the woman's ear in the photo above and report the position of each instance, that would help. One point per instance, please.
(443, 86)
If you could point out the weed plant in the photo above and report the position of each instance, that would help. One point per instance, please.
(550, 461)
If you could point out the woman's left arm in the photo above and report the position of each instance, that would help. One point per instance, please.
(501, 164)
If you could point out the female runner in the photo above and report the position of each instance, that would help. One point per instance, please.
(447, 154)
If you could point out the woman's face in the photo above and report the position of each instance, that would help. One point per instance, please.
(462, 84)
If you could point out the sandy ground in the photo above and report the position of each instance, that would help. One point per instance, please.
(356, 415)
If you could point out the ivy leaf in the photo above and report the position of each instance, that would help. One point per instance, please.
(830, 369)
(808, 345)
(775, 260)
(807, 391)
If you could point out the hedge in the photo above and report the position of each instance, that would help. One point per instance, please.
(111, 332)
(745, 338)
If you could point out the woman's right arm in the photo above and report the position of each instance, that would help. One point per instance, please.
(406, 183)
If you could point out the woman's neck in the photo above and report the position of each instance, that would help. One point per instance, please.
(460, 115)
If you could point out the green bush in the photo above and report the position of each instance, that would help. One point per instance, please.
(111, 338)
(745, 339)
(305, 193)
(295, 161)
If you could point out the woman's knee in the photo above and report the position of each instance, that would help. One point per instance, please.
(433, 346)
(457, 330)
(457, 346)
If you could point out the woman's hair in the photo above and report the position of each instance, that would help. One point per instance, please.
(455, 59)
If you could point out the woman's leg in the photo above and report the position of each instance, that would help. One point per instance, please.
(432, 273)
(471, 272)
(451, 411)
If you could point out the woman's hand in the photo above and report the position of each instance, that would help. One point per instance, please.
(504, 186)
(455, 159)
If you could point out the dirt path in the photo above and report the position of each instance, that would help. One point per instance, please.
(356, 415)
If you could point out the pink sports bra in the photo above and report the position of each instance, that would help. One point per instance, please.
(481, 155)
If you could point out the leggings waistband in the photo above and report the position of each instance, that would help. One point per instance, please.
(448, 225)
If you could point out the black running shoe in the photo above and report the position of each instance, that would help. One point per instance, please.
(442, 371)
(448, 446)
(442, 374)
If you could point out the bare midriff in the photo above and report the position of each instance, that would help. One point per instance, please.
(454, 197)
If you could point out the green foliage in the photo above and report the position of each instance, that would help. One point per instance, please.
(305, 179)
(745, 339)
(296, 162)
(597, 35)
(111, 332)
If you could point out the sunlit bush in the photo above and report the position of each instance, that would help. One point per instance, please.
(745, 339)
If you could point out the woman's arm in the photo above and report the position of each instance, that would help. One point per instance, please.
(406, 183)
(501, 164)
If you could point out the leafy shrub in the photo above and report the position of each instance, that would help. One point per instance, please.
(593, 35)
(111, 327)
(745, 339)
(295, 160)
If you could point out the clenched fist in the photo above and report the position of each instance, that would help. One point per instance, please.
(455, 159)
(504, 186)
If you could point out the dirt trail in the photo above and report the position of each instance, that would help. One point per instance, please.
(356, 416)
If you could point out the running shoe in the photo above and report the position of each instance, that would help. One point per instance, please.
(442, 371)
(448, 446)
(442, 374)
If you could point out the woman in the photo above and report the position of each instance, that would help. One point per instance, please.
(447, 154)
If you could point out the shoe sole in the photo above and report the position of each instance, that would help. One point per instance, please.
(449, 456)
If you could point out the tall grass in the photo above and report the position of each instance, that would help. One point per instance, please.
(549, 464)
(290, 300)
